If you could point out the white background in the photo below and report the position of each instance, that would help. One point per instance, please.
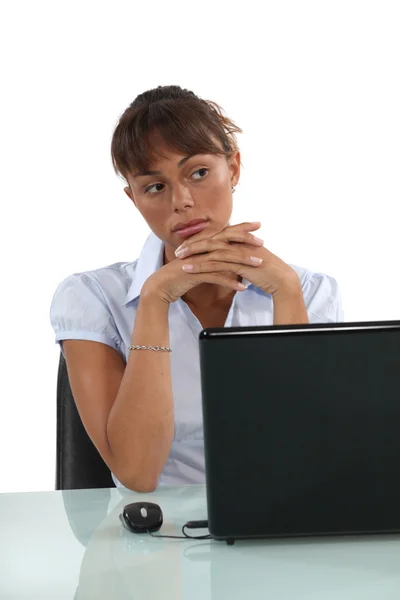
(315, 87)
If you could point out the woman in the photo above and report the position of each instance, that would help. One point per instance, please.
(129, 331)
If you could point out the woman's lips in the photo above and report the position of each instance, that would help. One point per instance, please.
(187, 231)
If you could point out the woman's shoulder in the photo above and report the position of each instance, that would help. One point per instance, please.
(322, 295)
(307, 276)
(87, 305)
(112, 280)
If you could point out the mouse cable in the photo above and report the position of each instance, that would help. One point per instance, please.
(188, 525)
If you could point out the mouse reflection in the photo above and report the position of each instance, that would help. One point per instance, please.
(120, 564)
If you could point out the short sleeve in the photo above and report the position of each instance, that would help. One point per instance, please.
(323, 299)
(79, 312)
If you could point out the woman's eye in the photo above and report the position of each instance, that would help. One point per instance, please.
(151, 186)
(154, 185)
(199, 170)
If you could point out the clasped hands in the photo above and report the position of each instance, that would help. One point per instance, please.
(235, 249)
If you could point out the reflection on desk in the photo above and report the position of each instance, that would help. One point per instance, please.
(103, 560)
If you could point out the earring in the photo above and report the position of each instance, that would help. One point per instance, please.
(233, 190)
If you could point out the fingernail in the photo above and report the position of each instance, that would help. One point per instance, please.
(180, 252)
(256, 260)
(255, 223)
(259, 240)
(241, 286)
(187, 268)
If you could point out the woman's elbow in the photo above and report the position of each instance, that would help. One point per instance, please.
(142, 485)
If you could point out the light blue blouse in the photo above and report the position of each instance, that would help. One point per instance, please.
(101, 305)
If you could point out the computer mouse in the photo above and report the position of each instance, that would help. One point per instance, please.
(142, 517)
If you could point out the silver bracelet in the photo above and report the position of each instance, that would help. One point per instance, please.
(157, 348)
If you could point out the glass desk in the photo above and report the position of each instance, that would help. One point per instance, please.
(71, 545)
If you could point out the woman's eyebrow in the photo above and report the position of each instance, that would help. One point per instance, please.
(180, 164)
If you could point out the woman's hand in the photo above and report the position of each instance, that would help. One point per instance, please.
(172, 282)
(236, 250)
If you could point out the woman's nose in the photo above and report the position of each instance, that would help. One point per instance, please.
(181, 198)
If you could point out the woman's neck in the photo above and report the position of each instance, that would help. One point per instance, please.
(207, 295)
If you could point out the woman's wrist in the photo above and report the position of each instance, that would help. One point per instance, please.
(151, 326)
(153, 299)
(289, 306)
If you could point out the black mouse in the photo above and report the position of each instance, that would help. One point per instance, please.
(142, 517)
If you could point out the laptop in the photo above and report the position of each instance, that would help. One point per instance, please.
(302, 429)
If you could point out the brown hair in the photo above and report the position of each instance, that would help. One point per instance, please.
(185, 122)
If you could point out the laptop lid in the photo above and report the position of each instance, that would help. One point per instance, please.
(302, 429)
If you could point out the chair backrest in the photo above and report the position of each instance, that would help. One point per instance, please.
(78, 463)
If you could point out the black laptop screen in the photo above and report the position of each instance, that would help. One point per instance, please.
(302, 431)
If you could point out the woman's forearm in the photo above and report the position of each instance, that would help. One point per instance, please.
(140, 426)
(289, 307)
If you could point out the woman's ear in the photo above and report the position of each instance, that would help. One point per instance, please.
(235, 168)
(128, 192)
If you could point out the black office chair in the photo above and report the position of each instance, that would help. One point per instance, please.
(78, 463)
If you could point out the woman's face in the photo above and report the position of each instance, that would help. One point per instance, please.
(185, 189)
